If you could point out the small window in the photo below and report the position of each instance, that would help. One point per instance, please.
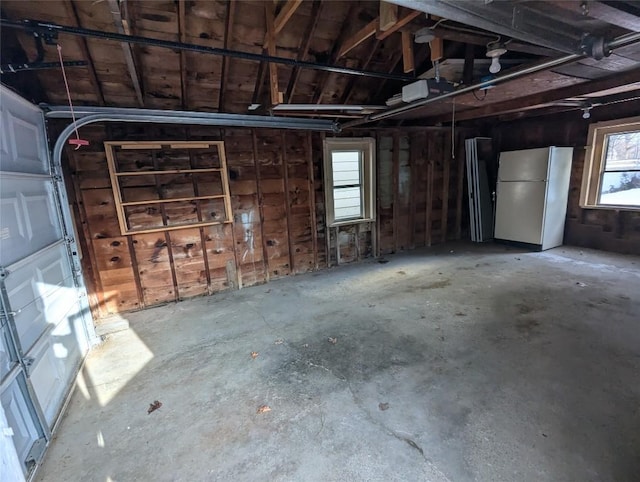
(349, 182)
(612, 166)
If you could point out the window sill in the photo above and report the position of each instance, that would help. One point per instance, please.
(612, 208)
(351, 221)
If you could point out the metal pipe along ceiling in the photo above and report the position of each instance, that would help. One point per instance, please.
(618, 42)
(92, 115)
(55, 29)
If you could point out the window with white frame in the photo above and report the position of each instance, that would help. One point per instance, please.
(611, 176)
(349, 180)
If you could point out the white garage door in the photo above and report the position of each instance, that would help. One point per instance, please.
(46, 324)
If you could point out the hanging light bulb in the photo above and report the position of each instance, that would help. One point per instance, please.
(586, 112)
(495, 66)
(494, 51)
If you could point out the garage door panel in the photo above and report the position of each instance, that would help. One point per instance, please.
(29, 219)
(56, 359)
(16, 408)
(45, 332)
(6, 362)
(41, 290)
(24, 146)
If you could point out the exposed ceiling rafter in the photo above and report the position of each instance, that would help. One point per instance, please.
(123, 29)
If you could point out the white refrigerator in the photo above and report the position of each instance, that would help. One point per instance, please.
(531, 196)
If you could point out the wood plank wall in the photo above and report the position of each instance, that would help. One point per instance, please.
(606, 229)
(279, 227)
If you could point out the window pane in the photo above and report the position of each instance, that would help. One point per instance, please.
(347, 203)
(623, 152)
(620, 188)
(346, 167)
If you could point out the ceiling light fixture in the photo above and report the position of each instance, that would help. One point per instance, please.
(494, 51)
(586, 112)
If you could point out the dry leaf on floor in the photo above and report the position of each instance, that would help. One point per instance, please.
(279, 341)
(333, 341)
(254, 354)
(383, 406)
(154, 406)
(306, 345)
(264, 409)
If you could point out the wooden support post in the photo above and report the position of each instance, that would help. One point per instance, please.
(265, 255)
(408, 60)
(165, 222)
(287, 196)
(459, 190)
(203, 239)
(357, 240)
(377, 226)
(436, 49)
(388, 15)
(413, 182)
(312, 200)
(446, 159)
(429, 200)
(130, 246)
(271, 50)
(395, 156)
(327, 233)
(227, 207)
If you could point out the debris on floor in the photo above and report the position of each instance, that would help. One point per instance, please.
(581, 284)
(383, 261)
(332, 340)
(254, 354)
(154, 406)
(383, 406)
(279, 341)
(263, 409)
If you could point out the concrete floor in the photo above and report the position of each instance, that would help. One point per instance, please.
(496, 365)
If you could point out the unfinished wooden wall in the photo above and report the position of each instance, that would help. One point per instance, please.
(275, 179)
(607, 229)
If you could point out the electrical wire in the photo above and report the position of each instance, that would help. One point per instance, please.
(478, 98)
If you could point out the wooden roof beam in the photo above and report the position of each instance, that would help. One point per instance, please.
(285, 14)
(357, 38)
(601, 11)
(183, 54)
(304, 47)
(84, 49)
(544, 98)
(352, 81)
(123, 28)
(224, 74)
(324, 76)
(383, 34)
(388, 15)
(271, 49)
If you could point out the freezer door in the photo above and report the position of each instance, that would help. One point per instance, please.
(526, 165)
(520, 211)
